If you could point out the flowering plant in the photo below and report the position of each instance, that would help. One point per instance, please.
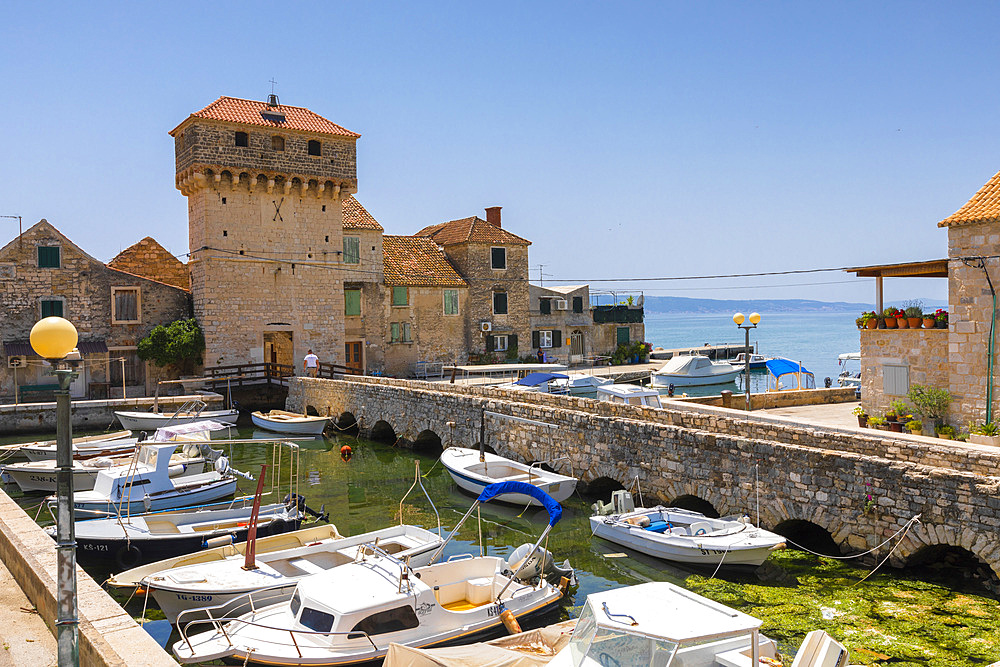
(858, 410)
(869, 503)
(894, 312)
(941, 316)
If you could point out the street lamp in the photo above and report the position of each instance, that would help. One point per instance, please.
(754, 319)
(55, 339)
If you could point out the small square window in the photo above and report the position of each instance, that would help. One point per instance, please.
(400, 296)
(623, 337)
(242, 139)
(352, 250)
(277, 143)
(451, 302)
(124, 305)
(352, 302)
(544, 339)
(315, 147)
(498, 258)
(52, 308)
(499, 303)
(500, 343)
(545, 306)
(48, 257)
(895, 379)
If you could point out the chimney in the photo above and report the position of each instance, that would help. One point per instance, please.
(493, 215)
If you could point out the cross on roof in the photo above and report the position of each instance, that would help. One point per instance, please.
(273, 84)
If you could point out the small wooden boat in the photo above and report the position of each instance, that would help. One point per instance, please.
(473, 471)
(90, 446)
(757, 361)
(281, 421)
(218, 583)
(684, 536)
(348, 615)
(41, 475)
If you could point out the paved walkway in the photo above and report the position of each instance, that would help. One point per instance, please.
(840, 415)
(24, 637)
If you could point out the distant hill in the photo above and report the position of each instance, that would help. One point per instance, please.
(679, 304)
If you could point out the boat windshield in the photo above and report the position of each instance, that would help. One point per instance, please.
(596, 645)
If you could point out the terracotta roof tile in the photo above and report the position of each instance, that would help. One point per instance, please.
(471, 230)
(983, 207)
(248, 112)
(357, 217)
(417, 262)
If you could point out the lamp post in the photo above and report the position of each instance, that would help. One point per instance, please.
(55, 339)
(738, 318)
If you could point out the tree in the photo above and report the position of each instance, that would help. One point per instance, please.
(180, 343)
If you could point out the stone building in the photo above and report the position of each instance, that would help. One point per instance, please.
(43, 273)
(149, 259)
(265, 184)
(494, 264)
(568, 328)
(425, 303)
(364, 323)
(956, 358)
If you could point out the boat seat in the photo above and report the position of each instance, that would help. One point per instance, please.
(701, 528)
(466, 595)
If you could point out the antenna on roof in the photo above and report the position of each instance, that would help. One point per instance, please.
(272, 99)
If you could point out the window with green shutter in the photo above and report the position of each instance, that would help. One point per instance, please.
(352, 250)
(577, 304)
(623, 336)
(400, 296)
(545, 306)
(406, 333)
(52, 307)
(394, 332)
(499, 303)
(451, 302)
(352, 302)
(48, 257)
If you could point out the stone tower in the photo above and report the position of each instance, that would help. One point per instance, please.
(264, 183)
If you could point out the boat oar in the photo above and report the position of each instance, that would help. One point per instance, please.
(250, 563)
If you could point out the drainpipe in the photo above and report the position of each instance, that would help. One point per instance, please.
(980, 262)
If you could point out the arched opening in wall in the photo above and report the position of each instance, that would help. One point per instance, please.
(693, 503)
(486, 448)
(312, 411)
(383, 432)
(601, 488)
(808, 535)
(428, 442)
(347, 423)
(953, 567)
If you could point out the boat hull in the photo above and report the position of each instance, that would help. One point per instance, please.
(459, 462)
(665, 379)
(150, 421)
(31, 480)
(176, 500)
(311, 427)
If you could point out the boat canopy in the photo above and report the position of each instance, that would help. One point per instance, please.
(535, 379)
(788, 375)
(165, 433)
(686, 365)
(551, 506)
(849, 356)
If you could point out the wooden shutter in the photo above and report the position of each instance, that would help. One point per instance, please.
(545, 306)
(577, 304)
(557, 338)
(535, 338)
(490, 343)
(512, 342)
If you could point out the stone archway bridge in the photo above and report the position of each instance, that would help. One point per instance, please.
(813, 474)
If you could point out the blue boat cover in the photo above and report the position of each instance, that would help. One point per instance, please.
(551, 506)
(535, 379)
(778, 367)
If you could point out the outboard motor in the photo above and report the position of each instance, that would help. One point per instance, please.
(621, 503)
(294, 500)
(541, 564)
(828, 382)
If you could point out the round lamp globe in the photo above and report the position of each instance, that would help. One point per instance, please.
(53, 337)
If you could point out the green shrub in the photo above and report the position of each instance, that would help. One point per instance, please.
(930, 402)
(180, 343)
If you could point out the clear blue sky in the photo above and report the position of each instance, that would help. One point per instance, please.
(623, 139)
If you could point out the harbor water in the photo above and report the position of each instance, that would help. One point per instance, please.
(927, 617)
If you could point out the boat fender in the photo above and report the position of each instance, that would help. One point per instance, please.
(221, 541)
(222, 465)
(513, 627)
(146, 502)
(128, 556)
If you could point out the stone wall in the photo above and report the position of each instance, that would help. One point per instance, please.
(806, 473)
(435, 336)
(775, 399)
(149, 259)
(923, 351)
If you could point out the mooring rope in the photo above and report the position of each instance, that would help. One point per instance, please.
(909, 524)
(906, 526)
(433, 466)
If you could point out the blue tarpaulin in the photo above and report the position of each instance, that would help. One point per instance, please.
(535, 379)
(551, 506)
(778, 367)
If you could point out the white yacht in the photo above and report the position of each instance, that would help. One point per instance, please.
(694, 370)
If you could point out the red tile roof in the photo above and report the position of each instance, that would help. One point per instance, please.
(356, 217)
(471, 230)
(417, 262)
(248, 112)
(983, 207)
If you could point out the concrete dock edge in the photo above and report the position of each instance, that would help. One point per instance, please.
(108, 635)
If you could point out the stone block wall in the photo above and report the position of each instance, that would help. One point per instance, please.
(473, 261)
(923, 351)
(435, 336)
(805, 473)
(149, 259)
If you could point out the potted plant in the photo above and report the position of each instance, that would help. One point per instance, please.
(945, 431)
(861, 415)
(941, 318)
(868, 320)
(915, 427)
(889, 316)
(901, 321)
(987, 433)
(931, 403)
(929, 321)
(876, 421)
(914, 314)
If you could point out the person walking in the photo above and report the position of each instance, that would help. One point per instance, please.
(311, 364)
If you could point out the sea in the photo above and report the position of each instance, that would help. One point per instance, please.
(814, 339)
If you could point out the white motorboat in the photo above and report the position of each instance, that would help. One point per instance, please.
(221, 582)
(128, 541)
(577, 384)
(629, 394)
(191, 411)
(850, 370)
(693, 370)
(350, 614)
(289, 422)
(41, 475)
(684, 536)
(757, 361)
(91, 446)
(473, 471)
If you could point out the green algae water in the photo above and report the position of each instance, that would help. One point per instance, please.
(894, 618)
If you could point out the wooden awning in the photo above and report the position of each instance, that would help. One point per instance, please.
(934, 268)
